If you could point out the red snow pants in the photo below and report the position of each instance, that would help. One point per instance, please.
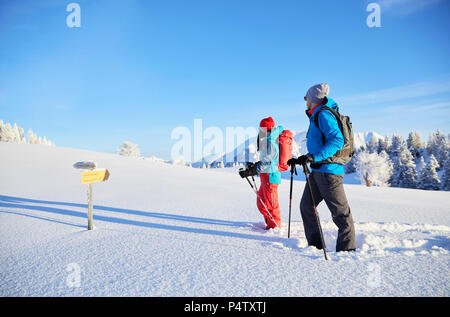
(269, 195)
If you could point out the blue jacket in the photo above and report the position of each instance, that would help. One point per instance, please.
(269, 155)
(334, 140)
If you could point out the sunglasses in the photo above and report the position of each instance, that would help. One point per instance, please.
(305, 98)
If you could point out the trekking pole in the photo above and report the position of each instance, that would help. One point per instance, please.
(306, 171)
(256, 191)
(257, 195)
(254, 182)
(293, 170)
(261, 201)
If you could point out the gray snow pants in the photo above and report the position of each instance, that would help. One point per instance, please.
(328, 187)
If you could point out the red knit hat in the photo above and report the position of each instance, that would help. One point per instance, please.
(267, 123)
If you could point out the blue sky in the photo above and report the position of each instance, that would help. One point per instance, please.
(135, 70)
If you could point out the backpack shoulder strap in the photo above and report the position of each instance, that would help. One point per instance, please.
(334, 112)
(316, 119)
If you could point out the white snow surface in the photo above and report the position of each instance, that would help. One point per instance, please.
(167, 230)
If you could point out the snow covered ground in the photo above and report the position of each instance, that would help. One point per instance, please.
(166, 230)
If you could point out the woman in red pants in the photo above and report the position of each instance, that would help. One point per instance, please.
(267, 167)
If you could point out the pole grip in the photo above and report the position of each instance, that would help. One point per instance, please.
(306, 169)
(293, 169)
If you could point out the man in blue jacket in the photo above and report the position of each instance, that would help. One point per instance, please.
(323, 141)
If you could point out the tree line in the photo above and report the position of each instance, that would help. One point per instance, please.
(16, 134)
(410, 163)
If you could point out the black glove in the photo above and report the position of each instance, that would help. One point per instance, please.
(301, 160)
(251, 170)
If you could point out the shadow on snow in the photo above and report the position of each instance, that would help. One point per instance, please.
(26, 203)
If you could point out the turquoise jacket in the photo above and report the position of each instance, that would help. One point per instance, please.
(269, 155)
(334, 140)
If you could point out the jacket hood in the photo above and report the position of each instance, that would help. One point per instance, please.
(330, 104)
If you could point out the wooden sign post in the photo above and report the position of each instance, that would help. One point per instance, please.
(90, 177)
(90, 211)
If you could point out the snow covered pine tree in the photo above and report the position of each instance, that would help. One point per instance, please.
(428, 178)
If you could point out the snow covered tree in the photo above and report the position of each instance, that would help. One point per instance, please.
(373, 168)
(23, 139)
(396, 147)
(372, 145)
(6, 132)
(414, 140)
(421, 165)
(405, 174)
(428, 178)
(10, 133)
(438, 145)
(32, 138)
(16, 134)
(129, 149)
(47, 142)
(414, 143)
(383, 145)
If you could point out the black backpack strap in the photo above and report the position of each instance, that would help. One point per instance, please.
(316, 119)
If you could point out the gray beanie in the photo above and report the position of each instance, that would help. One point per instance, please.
(317, 93)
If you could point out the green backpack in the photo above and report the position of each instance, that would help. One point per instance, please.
(344, 155)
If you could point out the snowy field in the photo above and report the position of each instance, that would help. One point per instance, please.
(165, 230)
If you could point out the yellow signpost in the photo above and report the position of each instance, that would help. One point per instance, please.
(94, 176)
(90, 177)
